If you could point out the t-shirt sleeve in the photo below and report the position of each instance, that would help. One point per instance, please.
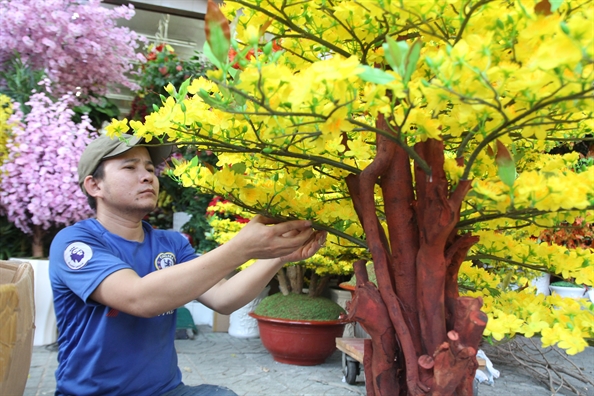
(185, 251)
(80, 261)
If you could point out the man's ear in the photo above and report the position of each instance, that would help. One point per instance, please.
(91, 186)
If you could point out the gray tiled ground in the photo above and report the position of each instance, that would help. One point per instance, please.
(246, 367)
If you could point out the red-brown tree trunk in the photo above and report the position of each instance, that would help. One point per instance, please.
(424, 336)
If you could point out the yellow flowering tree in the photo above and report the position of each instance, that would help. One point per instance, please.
(416, 132)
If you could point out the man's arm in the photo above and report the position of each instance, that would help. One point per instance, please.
(172, 287)
(230, 295)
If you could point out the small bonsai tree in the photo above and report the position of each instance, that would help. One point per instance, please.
(39, 188)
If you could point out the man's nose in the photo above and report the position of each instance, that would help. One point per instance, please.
(147, 177)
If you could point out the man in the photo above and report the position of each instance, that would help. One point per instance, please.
(117, 282)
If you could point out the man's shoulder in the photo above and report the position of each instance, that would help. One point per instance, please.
(84, 230)
(81, 227)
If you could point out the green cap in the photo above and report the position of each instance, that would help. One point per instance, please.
(105, 147)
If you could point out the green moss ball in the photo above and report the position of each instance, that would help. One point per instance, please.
(299, 307)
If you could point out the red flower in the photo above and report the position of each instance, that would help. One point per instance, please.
(276, 46)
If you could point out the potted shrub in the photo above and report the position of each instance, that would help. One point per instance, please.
(577, 235)
(569, 289)
(297, 325)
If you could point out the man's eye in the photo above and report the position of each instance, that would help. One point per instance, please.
(151, 170)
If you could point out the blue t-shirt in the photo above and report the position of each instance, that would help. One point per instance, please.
(103, 351)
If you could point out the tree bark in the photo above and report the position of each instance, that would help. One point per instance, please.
(424, 336)
(283, 283)
(37, 242)
(295, 275)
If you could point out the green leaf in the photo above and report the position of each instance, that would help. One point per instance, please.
(410, 63)
(376, 76)
(267, 48)
(219, 44)
(205, 96)
(555, 4)
(155, 107)
(267, 150)
(506, 167)
(239, 99)
(395, 52)
(308, 174)
(194, 161)
(207, 51)
(183, 90)
(239, 168)
(83, 109)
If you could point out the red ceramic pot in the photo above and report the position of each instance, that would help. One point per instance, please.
(299, 342)
(349, 287)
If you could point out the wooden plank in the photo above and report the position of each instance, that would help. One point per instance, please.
(352, 347)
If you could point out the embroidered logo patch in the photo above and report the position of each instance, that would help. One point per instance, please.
(77, 254)
(164, 260)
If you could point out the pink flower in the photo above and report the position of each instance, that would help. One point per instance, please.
(87, 51)
(39, 176)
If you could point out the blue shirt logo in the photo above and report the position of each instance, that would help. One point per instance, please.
(164, 260)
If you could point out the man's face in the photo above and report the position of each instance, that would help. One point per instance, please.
(129, 183)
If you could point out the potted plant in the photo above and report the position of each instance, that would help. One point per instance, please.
(576, 235)
(297, 325)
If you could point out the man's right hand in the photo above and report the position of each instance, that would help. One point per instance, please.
(264, 238)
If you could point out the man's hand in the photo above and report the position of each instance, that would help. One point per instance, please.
(308, 249)
(262, 239)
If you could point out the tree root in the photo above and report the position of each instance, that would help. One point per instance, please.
(550, 366)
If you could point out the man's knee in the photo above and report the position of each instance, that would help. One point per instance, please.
(200, 390)
(214, 390)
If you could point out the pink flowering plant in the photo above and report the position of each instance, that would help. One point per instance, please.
(39, 188)
(77, 44)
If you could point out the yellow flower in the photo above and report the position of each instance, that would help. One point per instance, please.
(117, 128)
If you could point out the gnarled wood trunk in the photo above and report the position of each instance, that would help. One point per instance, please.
(424, 336)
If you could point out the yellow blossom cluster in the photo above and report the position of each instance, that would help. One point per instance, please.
(560, 321)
